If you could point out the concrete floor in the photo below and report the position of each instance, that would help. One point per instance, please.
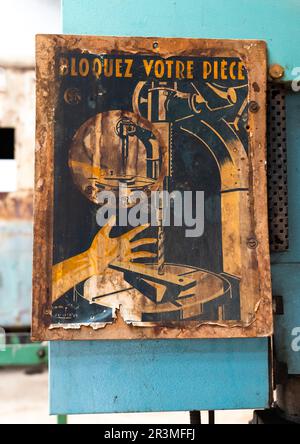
(24, 400)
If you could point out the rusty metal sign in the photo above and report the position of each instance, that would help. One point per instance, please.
(150, 195)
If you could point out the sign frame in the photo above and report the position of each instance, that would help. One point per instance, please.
(253, 54)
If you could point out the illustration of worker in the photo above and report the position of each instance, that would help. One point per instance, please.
(96, 260)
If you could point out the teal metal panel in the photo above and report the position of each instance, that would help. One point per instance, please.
(286, 265)
(178, 375)
(286, 282)
(275, 21)
(116, 376)
(15, 273)
(293, 153)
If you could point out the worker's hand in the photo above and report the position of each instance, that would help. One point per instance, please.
(105, 249)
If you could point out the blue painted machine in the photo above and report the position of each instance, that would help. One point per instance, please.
(133, 376)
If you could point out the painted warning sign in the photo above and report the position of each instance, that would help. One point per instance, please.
(150, 216)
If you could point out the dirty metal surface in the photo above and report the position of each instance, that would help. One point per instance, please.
(16, 205)
(90, 282)
(277, 168)
(15, 273)
(16, 237)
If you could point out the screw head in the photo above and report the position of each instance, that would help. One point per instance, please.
(41, 353)
(252, 243)
(253, 107)
(276, 71)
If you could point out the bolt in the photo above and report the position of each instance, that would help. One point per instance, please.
(253, 107)
(252, 243)
(276, 71)
(41, 353)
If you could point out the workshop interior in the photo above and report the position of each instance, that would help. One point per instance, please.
(149, 230)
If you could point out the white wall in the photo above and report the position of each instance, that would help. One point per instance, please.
(20, 20)
(17, 110)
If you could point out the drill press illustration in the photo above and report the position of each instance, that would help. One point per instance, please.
(157, 136)
(138, 148)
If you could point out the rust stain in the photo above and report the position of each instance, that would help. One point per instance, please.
(256, 87)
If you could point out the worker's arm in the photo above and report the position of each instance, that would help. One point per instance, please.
(97, 258)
